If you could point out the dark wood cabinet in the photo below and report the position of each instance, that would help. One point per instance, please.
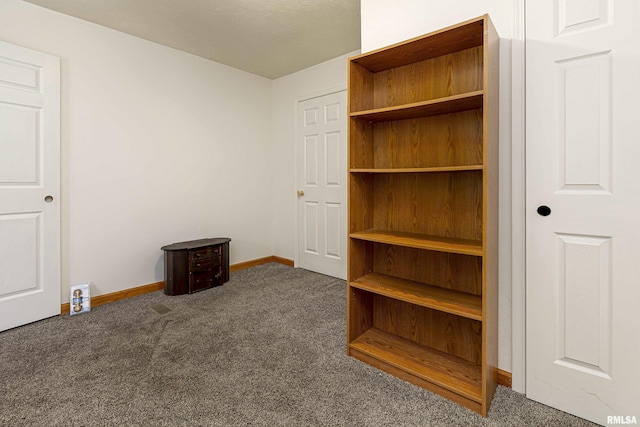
(195, 265)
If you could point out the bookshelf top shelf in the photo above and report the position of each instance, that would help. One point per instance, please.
(432, 107)
(448, 40)
(421, 241)
(435, 297)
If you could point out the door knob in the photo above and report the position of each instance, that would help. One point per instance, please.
(544, 210)
(48, 199)
(300, 193)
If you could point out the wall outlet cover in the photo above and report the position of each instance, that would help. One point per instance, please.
(80, 299)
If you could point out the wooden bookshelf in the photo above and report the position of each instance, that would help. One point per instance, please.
(422, 269)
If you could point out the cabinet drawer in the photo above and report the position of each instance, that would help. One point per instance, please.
(205, 264)
(205, 279)
(204, 253)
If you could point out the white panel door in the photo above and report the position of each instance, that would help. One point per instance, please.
(29, 186)
(583, 206)
(322, 172)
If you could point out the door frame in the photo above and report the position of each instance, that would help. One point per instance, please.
(518, 199)
(294, 197)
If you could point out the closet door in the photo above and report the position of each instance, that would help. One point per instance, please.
(29, 186)
(583, 202)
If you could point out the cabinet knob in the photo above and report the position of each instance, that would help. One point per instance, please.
(300, 192)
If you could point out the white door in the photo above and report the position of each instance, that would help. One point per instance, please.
(583, 163)
(29, 186)
(322, 173)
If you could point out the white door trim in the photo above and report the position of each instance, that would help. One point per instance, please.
(293, 195)
(518, 208)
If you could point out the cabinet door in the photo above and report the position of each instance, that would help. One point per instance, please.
(176, 272)
(200, 280)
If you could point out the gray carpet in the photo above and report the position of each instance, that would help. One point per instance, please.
(267, 348)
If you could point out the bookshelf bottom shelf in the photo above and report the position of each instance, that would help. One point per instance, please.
(449, 376)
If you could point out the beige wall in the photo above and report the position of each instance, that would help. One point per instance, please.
(158, 146)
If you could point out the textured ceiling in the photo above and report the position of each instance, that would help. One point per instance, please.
(270, 38)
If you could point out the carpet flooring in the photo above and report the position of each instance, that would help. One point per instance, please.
(265, 349)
